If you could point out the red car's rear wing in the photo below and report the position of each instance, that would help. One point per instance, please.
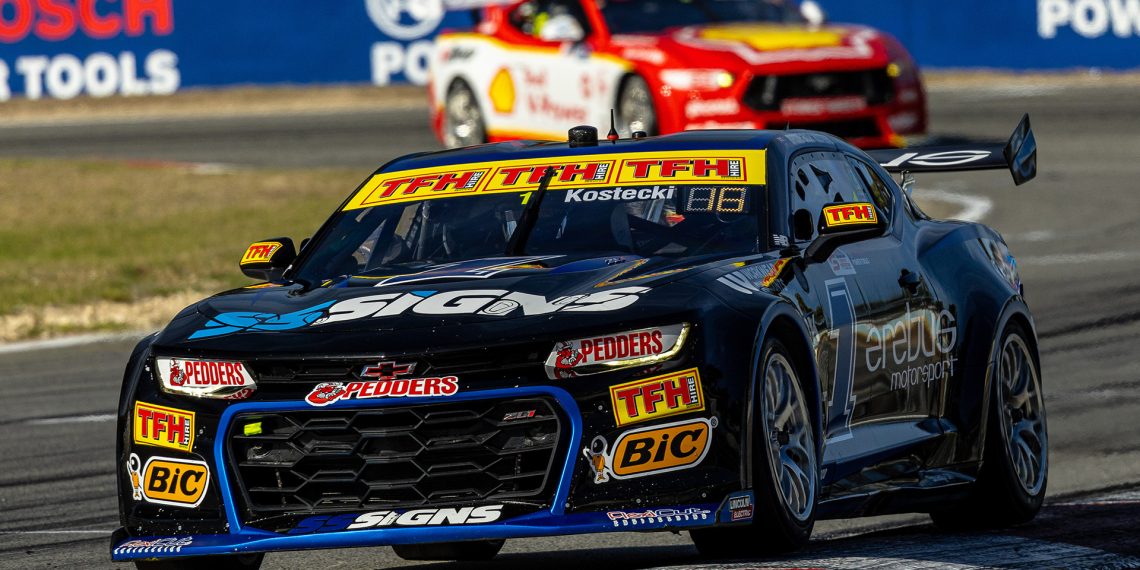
(1019, 155)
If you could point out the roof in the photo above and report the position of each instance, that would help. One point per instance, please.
(513, 150)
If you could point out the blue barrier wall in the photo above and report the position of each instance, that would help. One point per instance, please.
(65, 48)
(1006, 34)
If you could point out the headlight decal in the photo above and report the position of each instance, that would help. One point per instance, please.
(220, 379)
(592, 355)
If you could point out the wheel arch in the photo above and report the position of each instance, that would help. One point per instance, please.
(1014, 311)
(783, 322)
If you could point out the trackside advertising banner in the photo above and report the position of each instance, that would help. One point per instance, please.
(1005, 34)
(65, 48)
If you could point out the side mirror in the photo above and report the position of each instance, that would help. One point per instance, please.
(841, 224)
(267, 260)
(813, 13)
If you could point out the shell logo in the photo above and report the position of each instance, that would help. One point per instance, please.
(773, 38)
(502, 92)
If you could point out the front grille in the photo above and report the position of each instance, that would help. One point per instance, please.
(853, 129)
(767, 93)
(288, 378)
(323, 461)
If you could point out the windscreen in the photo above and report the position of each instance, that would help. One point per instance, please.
(673, 221)
(673, 204)
(640, 16)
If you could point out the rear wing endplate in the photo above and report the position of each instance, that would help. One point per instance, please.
(1019, 155)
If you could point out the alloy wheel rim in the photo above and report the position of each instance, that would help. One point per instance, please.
(464, 120)
(635, 106)
(790, 442)
(1023, 414)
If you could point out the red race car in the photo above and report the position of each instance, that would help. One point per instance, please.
(537, 67)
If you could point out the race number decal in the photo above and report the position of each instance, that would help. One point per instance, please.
(842, 311)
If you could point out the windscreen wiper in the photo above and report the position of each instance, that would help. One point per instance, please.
(529, 216)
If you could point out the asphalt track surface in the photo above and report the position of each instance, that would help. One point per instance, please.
(1074, 230)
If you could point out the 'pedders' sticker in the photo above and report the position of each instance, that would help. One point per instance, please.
(329, 392)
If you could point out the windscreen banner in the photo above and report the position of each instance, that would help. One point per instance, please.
(1022, 35)
(60, 49)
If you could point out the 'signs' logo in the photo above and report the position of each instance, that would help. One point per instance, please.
(260, 252)
(169, 481)
(406, 518)
(657, 397)
(856, 214)
(163, 427)
(405, 19)
(651, 450)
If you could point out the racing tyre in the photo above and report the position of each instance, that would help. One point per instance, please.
(232, 562)
(465, 551)
(785, 468)
(635, 107)
(463, 123)
(1015, 465)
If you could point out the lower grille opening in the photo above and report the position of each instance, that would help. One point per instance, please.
(322, 461)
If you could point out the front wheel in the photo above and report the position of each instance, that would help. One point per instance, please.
(786, 468)
(635, 111)
(229, 562)
(1015, 466)
(471, 551)
(463, 123)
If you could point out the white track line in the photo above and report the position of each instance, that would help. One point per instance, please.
(56, 532)
(1071, 258)
(974, 208)
(69, 342)
(94, 418)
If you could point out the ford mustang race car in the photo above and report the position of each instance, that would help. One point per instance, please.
(537, 67)
(734, 333)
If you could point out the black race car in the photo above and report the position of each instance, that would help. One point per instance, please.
(734, 333)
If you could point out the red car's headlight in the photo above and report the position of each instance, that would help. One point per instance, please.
(603, 353)
(220, 379)
(697, 79)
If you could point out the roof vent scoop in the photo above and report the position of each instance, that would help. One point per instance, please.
(584, 135)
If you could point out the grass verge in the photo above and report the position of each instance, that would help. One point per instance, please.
(95, 246)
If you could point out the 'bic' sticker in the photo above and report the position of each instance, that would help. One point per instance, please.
(651, 450)
(854, 214)
(260, 252)
(174, 482)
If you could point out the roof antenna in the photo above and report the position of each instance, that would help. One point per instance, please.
(613, 135)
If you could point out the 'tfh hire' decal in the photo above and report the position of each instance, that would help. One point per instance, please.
(387, 384)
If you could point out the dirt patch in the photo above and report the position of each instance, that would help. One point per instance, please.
(102, 316)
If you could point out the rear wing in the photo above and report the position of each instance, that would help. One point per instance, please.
(1019, 155)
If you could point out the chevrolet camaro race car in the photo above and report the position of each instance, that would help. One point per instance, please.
(734, 333)
(537, 67)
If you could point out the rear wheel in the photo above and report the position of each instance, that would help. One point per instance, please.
(467, 551)
(786, 468)
(231, 562)
(1015, 466)
(635, 111)
(463, 123)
